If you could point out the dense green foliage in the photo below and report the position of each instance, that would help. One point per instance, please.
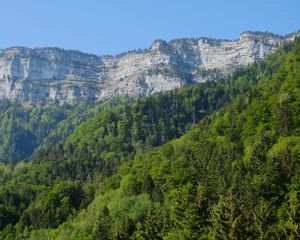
(25, 128)
(115, 135)
(235, 175)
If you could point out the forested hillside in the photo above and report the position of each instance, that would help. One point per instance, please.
(26, 127)
(234, 175)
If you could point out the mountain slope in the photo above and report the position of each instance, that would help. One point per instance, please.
(235, 176)
(236, 172)
(54, 75)
(25, 128)
(115, 135)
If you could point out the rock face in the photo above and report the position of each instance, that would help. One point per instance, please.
(48, 75)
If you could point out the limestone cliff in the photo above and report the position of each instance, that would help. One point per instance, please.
(54, 75)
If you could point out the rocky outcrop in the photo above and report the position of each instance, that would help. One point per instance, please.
(54, 75)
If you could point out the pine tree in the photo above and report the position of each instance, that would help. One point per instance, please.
(102, 228)
(227, 220)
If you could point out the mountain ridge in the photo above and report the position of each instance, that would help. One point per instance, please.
(47, 75)
(288, 35)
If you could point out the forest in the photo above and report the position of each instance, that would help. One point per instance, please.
(216, 160)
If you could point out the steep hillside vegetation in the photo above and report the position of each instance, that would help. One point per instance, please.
(235, 175)
(26, 127)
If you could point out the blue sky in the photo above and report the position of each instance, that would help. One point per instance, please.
(115, 26)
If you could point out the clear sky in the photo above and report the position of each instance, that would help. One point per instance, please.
(115, 26)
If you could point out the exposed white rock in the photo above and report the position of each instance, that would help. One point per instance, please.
(55, 75)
